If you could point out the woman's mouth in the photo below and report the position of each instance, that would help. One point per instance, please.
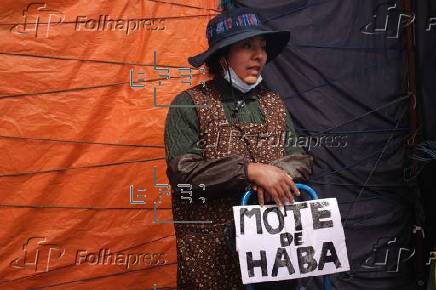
(253, 69)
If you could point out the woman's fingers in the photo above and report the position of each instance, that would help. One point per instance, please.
(293, 186)
(277, 201)
(277, 196)
(260, 196)
(288, 192)
(283, 195)
(285, 188)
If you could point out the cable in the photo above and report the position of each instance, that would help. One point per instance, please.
(354, 164)
(389, 140)
(103, 276)
(79, 167)
(357, 184)
(85, 60)
(405, 97)
(148, 18)
(184, 5)
(344, 47)
(81, 142)
(78, 207)
(82, 88)
(63, 90)
(318, 132)
(328, 82)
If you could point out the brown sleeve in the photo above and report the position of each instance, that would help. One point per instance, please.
(297, 165)
(222, 176)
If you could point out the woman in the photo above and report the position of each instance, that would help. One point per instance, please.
(224, 138)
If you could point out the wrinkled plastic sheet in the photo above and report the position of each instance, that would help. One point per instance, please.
(343, 82)
(76, 136)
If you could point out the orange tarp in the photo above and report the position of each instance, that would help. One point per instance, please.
(81, 139)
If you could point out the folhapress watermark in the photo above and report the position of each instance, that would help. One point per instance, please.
(41, 256)
(277, 139)
(39, 20)
(388, 19)
(105, 257)
(105, 23)
(38, 255)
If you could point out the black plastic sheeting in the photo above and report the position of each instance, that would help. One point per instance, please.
(426, 95)
(426, 65)
(343, 78)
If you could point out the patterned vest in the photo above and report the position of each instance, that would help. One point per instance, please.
(256, 142)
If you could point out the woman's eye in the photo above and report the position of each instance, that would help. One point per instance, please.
(247, 45)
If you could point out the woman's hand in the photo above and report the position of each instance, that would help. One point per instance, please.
(262, 196)
(273, 181)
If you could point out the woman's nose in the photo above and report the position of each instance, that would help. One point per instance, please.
(259, 53)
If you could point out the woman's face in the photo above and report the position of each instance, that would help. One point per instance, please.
(247, 58)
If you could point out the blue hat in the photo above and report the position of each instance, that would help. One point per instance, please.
(234, 25)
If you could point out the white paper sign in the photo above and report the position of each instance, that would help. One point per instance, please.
(299, 240)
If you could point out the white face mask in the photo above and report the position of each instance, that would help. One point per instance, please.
(238, 83)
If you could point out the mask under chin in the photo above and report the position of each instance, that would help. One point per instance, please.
(239, 84)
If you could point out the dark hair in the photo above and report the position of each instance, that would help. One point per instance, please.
(212, 62)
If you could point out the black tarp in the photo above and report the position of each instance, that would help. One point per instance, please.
(426, 96)
(343, 78)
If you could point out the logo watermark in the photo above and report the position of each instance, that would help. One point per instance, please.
(277, 139)
(105, 23)
(105, 257)
(38, 255)
(41, 256)
(39, 20)
(388, 19)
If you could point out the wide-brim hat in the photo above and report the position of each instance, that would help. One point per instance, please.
(234, 25)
